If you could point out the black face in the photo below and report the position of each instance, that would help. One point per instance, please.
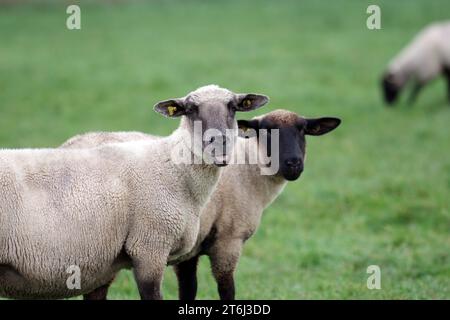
(292, 153)
(390, 89)
(291, 139)
(291, 149)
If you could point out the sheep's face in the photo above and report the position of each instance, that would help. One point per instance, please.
(209, 113)
(291, 137)
(392, 86)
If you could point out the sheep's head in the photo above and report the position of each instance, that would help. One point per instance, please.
(391, 85)
(209, 113)
(291, 143)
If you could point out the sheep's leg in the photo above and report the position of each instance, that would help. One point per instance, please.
(447, 76)
(148, 272)
(186, 272)
(224, 256)
(415, 92)
(98, 294)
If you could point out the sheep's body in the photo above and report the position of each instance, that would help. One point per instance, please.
(233, 212)
(93, 208)
(424, 59)
(224, 210)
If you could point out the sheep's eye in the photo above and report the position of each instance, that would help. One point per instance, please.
(192, 109)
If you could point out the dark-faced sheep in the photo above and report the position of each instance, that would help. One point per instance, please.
(424, 59)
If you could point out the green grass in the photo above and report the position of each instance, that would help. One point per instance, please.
(376, 191)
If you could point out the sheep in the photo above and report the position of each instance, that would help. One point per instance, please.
(99, 210)
(235, 208)
(425, 58)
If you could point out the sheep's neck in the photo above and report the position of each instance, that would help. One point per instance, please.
(201, 178)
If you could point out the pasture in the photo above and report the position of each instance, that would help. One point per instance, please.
(374, 192)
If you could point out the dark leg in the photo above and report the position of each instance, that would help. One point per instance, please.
(150, 290)
(447, 76)
(187, 278)
(224, 257)
(415, 91)
(98, 294)
(225, 285)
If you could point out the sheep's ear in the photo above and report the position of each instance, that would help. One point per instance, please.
(320, 126)
(248, 128)
(249, 102)
(171, 108)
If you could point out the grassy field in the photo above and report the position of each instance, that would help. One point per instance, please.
(376, 191)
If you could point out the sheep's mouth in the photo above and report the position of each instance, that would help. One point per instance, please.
(221, 160)
(221, 164)
(291, 174)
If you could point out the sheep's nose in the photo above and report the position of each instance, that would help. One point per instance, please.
(293, 162)
(219, 139)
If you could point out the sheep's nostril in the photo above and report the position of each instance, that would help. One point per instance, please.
(219, 140)
(293, 162)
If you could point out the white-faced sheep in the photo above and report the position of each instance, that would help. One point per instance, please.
(110, 207)
(425, 58)
(234, 211)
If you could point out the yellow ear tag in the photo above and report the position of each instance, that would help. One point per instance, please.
(171, 110)
(247, 103)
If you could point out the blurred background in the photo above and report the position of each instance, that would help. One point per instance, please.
(376, 191)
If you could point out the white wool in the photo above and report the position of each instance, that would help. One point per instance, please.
(425, 57)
